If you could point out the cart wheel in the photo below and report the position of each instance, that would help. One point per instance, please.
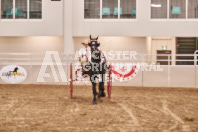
(109, 83)
(71, 81)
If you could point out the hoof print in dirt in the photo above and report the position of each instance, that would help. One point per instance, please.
(189, 119)
(99, 100)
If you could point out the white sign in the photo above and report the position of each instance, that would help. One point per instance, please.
(13, 74)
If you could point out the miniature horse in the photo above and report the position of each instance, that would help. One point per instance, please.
(97, 67)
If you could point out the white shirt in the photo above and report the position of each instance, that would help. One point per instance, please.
(84, 53)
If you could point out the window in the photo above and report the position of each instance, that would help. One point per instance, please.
(18, 9)
(109, 9)
(127, 8)
(192, 8)
(186, 46)
(158, 8)
(177, 8)
(6, 9)
(92, 9)
(35, 9)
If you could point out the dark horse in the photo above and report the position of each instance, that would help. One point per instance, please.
(96, 68)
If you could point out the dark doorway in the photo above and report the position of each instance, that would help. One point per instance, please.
(165, 54)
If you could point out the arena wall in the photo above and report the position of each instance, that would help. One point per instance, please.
(171, 76)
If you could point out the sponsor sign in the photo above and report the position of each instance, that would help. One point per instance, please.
(13, 74)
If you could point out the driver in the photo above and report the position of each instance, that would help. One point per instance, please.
(84, 52)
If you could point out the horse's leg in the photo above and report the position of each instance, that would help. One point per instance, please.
(101, 86)
(94, 91)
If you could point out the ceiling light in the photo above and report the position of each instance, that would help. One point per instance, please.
(156, 5)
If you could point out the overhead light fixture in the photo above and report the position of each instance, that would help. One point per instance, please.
(156, 5)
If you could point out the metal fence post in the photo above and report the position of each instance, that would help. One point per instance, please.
(169, 59)
(31, 68)
(195, 64)
(141, 65)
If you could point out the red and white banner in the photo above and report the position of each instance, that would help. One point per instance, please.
(125, 72)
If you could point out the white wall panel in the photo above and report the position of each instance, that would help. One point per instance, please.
(156, 78)
(31, 44)
(182, 76)
(137, 44)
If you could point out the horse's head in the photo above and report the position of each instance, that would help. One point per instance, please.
(93, 44)
(16, 69)
(95, 53)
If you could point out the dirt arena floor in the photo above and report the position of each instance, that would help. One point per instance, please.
(48, 108)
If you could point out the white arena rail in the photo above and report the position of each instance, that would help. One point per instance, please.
(173, 75)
